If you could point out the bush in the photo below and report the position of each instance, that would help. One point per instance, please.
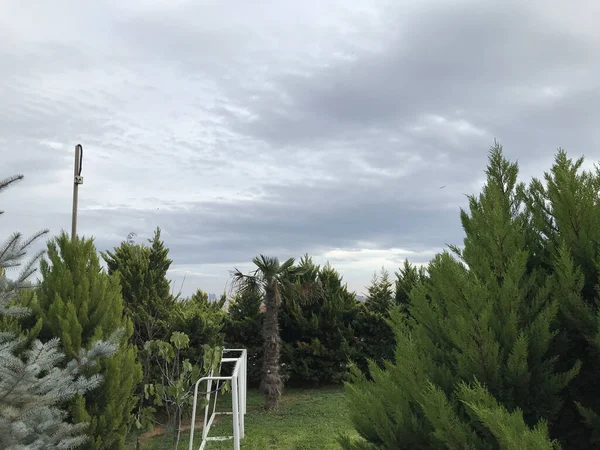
(203, 321)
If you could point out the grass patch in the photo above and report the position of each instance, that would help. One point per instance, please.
(307, 419)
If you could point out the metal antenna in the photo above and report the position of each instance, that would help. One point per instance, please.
(77, 180)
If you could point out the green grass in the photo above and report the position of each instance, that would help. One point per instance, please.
(306, 419)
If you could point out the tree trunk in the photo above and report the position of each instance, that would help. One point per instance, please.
(271, 380)
(177, 427)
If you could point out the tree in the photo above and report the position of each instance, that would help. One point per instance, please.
(174, 391)
(375, 339)
(81, 304)
(36, 381)
(318, 338)
(406, 279)
(243, 330)
(146, 290)
(147, 300)
(563, 212)
(380, 293)
(273, 279)
(476, 364)
(202, 321)
(375, 336)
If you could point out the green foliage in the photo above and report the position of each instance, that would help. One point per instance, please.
(244, 330)
(476, 364)
(508, 428)
(375, 339)
(564, 216)
(147, 300)
(175, 389)
(407, 278)
(380, 293)
(81, 304)
(318, 339)
(146, 290)
(374, 335)
(323, 327)
(202, 321)
(36, 379)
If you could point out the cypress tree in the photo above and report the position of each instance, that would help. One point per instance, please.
(406, 279)
(243, 330)
(318, 338)
(245, 305)
(475, 364)
(145, 287)
(202, 321)
(380, 293)
(148, 302)
(81, 304)
(375, 336)
(564, 216)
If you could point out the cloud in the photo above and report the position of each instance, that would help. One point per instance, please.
(348, 130)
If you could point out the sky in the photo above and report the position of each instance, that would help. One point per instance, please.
(285, 127)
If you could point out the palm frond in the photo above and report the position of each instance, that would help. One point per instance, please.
(296, 283)
(242, 283)
(308, 292)
(287, 265)
(267, 266)
(302, 283)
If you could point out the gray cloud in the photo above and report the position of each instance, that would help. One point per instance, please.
(285, 128)
(458, 58)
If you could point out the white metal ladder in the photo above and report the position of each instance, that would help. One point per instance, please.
(238, 399)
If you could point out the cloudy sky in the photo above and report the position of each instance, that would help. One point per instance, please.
(284, 127)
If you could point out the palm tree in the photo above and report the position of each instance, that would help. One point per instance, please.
(274, 281)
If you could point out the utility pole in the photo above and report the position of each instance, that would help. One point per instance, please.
(77, 180)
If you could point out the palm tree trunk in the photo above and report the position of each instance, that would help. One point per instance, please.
(271, 380)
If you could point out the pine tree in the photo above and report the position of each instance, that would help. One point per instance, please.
(476, 365)
(36, 380)
(78, 302)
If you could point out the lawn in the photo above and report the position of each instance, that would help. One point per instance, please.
(306, 419)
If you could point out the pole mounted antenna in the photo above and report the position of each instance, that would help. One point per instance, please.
(78, 179)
